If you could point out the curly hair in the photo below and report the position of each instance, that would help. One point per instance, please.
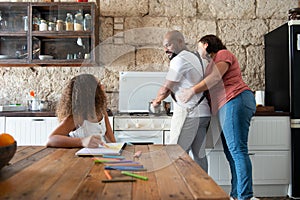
(214, 43)
(83, 98)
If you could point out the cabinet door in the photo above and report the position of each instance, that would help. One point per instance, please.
(268, 167)
(267, 133)
(30, 130)
(13, 33)
(270, 133)
(218, 167)
(49, 43)
(2, 124)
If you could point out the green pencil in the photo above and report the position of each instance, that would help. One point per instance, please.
(134, 175)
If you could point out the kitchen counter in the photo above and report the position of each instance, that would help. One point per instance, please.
(52, 114)
(272, 113)
(28, 114)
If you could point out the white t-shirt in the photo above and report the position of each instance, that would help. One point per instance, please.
(186, 70)
(90, 128)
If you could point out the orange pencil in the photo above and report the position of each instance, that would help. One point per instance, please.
(107, 174)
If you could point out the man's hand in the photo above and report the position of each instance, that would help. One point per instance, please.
(92, 141)
(186, 94)
(155, 103)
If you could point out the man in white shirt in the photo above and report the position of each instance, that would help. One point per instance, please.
(190, 120)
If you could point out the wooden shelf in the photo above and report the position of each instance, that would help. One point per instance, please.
(16, 41)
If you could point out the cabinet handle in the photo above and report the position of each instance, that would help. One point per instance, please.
(251, 154)
(38, 120)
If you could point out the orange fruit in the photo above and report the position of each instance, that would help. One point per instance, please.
(6, 139)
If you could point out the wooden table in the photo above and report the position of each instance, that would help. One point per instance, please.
(55, 173)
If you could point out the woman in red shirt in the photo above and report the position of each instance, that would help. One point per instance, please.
(234, 103)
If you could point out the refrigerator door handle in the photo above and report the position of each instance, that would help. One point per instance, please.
(295, 123)
(298, 42)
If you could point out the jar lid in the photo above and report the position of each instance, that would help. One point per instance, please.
(59, 21)
(43, 21)
(87, 16)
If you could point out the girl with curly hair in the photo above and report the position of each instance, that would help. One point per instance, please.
(82, 115)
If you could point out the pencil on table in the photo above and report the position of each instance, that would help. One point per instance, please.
(107, 174)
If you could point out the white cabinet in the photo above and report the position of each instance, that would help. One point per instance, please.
(2, 124)
(30, 130)
(269, 150)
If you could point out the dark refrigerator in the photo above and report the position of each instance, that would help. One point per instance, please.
(282, 85)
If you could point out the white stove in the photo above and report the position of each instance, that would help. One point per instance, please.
(142, 129)
(134, 123)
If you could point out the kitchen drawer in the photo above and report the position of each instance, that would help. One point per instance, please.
(269, 167)
(30, 130)
(267, 133)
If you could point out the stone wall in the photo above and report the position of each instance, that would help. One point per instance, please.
(131, 35)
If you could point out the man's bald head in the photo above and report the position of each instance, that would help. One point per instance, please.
(174, 43)
(177, 38)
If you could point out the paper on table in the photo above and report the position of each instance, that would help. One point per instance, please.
(114, 149)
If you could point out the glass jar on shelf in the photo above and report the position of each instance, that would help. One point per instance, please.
(59, 25)
(43, 26)
(78, 22)
(87, 22)
(51, 26)
(35, 23)
(69, 22)
(3, 22)
(25, 22)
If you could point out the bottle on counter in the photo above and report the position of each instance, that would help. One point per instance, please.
(78, 22)
(87, 22)
(69, 22)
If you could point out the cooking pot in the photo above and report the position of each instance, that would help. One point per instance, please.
(163, 108)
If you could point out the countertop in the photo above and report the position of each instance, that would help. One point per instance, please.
(52, 113)
(28, 114)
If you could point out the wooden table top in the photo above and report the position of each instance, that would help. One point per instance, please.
(56, 173)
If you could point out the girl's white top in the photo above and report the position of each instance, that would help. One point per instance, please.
(90, 128)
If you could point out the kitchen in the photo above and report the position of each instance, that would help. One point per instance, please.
(128, 44)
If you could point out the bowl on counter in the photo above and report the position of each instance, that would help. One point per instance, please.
(45, 57)
(7, 153)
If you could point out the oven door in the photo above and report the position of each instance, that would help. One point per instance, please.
(155, 137)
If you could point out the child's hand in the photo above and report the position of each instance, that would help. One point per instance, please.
(92, 141)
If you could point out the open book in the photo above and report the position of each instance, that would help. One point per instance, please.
(114, 149)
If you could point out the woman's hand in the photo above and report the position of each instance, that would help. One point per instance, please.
(92, 141)
(186, 94)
